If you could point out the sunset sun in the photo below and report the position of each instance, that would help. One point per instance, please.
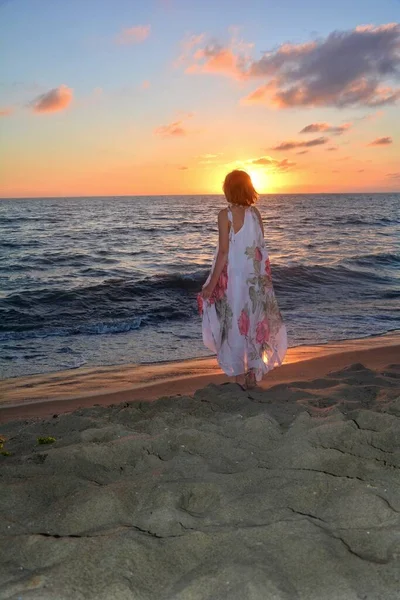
(260, 180)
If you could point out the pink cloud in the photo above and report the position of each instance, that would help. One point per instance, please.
(219, 60)
(6, 112)
(327, 128)
(134, 35)
(291, 144)
(175, 129)
(394, 175)
(145, 85)
(357, 67)
(54, 100)
(187, 46)
(382, 141)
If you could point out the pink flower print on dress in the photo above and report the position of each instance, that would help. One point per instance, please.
(257, 254)
(268, 267)
(244, 323)
(262, 331)
(220, 289)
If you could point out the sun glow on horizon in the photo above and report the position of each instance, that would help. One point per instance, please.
(260, 179)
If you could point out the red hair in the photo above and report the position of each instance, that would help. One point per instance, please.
(238, 188)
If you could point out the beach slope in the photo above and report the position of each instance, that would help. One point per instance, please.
(291, 492)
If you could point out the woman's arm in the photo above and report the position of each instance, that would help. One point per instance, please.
(222, 256)
(260, 219)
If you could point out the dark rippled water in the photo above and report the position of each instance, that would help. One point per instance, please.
(95, 281)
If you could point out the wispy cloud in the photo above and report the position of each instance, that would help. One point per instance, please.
(332, 149)
(6, 112)
(231, 59)
(208, 159)
(371, 116)
(175, 129)
(273, 164)
(54, 100)
(291, 144)
(382, 141)
(133, 35)
(357, 67)
(394, 175)
(326, 128)
(186, 48)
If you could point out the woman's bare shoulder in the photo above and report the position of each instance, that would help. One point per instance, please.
(223, 214)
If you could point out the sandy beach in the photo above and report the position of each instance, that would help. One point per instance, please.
(168, 482)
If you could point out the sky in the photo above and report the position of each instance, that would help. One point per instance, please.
(140, 97)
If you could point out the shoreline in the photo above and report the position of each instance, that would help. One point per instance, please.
(65, 391)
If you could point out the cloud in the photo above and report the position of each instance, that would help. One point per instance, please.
(394, 175)
(357, 67)
(331, 149)
(54, 100)
(361, 171)
(145, 84)
(133, 35)
(230, 60)
(327, 128)
(303, 152)
(175, 129)
(272, 164)
(6, 112)
(208, 159)
(219, 60)
(187, 46)
(371, 116)
(289, 145)
(382, 141)
(183, 168)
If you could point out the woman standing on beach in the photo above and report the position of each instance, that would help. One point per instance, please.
(242, 323)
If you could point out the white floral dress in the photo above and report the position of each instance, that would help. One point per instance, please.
(241, 321)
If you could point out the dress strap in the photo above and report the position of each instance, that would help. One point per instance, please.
(230, 219)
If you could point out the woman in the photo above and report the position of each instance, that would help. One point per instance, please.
(242, 323)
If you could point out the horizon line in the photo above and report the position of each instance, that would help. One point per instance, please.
(197, 194)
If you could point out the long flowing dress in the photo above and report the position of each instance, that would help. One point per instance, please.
(241, 321)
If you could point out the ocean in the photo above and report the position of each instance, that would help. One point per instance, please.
(108, 281)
